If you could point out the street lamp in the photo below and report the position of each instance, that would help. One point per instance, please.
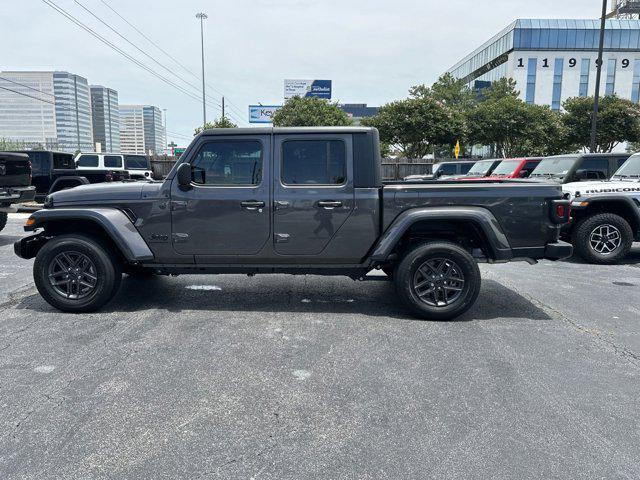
(596, 97)
(202, 16)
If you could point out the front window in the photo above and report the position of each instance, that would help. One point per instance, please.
(630, 168)
(137, 162)
(229, 162)
(314, 162)
(554, 167)
(506, 168)
(480, 169)
(88, 161)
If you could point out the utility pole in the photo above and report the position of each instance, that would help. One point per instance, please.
(596, 98)
(223, 107)
(203, 16)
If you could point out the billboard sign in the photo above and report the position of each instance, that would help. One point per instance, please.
(262, 113)
(307, 88)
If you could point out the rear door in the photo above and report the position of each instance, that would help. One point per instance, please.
(227, 209)
(313, 191)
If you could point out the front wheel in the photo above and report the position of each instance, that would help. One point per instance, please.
(76, 273)
(604, 238)
(438, 281)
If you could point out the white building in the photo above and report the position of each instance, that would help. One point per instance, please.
(46, 109)
(552, 60)
(142, 130)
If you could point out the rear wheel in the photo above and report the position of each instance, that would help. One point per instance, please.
(3, 220)
(76, 273)
(604, 238)
(438, 281)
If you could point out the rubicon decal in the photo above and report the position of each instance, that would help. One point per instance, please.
(614, 190)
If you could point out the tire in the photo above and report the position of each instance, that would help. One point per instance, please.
(78, 252)
(429, 257)
(587, 238)
(3, 220)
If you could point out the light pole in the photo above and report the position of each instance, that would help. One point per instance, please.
(203, 16)
(596, 97)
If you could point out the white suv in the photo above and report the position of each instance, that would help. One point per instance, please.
(100, 161)
(138, 166)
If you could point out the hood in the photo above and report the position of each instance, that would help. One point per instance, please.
(590, 189)
(99, 193)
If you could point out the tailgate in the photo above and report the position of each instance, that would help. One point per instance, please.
(15, 170)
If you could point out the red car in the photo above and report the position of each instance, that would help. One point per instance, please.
(507, 168)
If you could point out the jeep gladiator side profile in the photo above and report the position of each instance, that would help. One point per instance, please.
(291, 200)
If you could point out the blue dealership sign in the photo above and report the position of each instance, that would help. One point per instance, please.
(307, 88)
(262, 113)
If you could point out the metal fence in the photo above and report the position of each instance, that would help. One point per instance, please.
(161, 166)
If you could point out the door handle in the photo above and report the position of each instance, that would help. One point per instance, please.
(252, 204)
(329, 204)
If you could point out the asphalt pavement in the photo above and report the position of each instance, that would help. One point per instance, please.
(291, 377)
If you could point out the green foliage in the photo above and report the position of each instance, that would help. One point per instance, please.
(8, 145)
(310, 112)
(618, 121)
(223, 122)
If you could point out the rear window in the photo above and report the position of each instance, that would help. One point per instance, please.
(447, 169)
(136, 162)
(465, 167)
(62, 161)
(87, 161)
(113, 161)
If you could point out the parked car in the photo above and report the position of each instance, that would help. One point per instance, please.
(15, 183)
(579, 167)
(290, 200)
(443, 170)
(509, 168)
(138, 166)
(54, 171)
(480, 169)
(605, 215)
(100, 161)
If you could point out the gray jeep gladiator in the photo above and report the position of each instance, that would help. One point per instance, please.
(297, 201)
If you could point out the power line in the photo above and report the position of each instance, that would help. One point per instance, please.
(73, 19)
(30, 96)
(186, 69)
(27, 86)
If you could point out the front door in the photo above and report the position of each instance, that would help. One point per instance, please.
(313, 191)
(227, 209)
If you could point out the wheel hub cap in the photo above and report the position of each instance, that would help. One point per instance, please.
(605, 239)
(72, 275)
(438, 282)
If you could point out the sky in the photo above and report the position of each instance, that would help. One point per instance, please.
(372, 50)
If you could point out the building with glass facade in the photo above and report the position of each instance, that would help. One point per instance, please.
(106, 118)
(142, 130)
(552, 60)
(46, 109)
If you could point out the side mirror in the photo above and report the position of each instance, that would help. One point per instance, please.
(184, 176)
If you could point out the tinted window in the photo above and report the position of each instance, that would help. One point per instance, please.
(87, 161)
(229, 163)
(136, 162)
(465, 167)
(593, 169)
(112, 161)
(62, 161)
(447, 169)
(620, 160)
(314, 162)
(527, 169)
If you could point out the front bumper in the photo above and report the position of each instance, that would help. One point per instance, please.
(13, 195)
(558, 251)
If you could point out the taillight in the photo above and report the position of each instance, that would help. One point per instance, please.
(560, 211)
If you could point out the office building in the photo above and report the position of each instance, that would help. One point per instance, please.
(106, 118)
(358, 111)
(552, 60)
(46, 109)
(142, 129)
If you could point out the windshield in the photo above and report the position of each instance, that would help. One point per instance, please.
(554, 167)
(506, 167)
(136, 162)
(629, 169)
(480, 169)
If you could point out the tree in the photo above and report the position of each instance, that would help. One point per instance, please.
(618, 121)
(514, 127)
(223, 122)
(415, 125)
(310, 112)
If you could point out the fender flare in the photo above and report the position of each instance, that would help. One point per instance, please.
(480, 217)
(113, 221)
(627, 201)
(80, 180)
